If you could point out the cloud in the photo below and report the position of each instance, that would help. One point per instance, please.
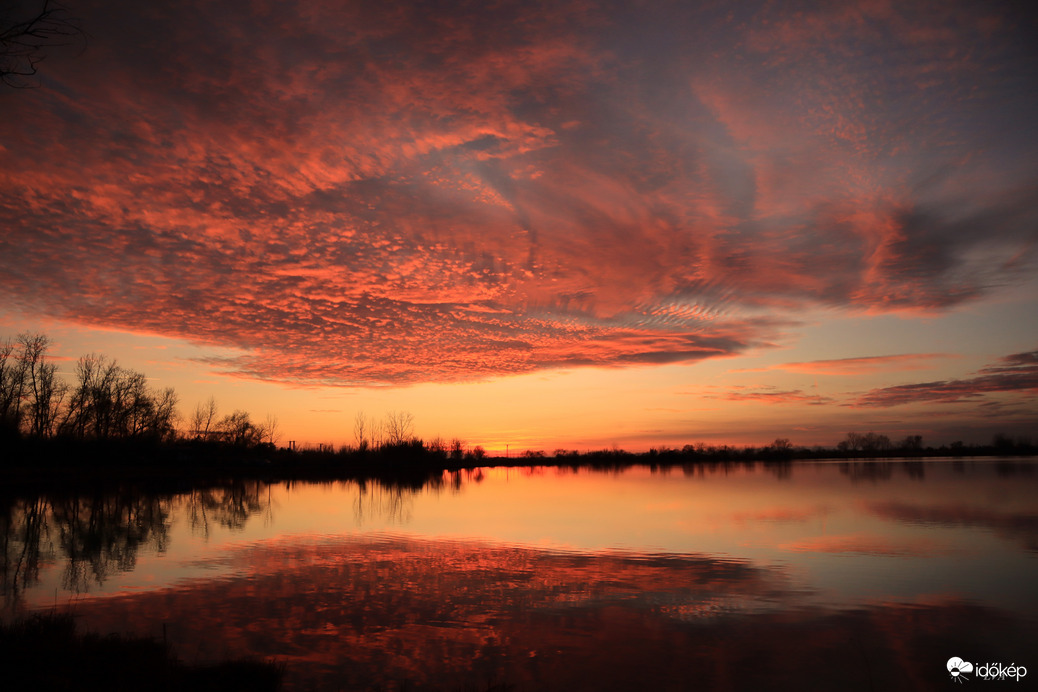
(856, 366)
(770, 395)
(359, 194)
(1017, 373)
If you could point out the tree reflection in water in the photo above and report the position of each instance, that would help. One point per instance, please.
(26, 532)
(100, 534)
(229, 506)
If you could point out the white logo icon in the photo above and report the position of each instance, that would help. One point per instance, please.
(958, 668)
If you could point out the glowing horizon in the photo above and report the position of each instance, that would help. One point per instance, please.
(575, 226)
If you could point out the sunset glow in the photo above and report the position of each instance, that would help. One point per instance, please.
(569, 225)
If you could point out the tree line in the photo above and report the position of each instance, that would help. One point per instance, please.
(104, 402)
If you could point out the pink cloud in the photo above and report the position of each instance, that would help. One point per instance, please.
(367, 194)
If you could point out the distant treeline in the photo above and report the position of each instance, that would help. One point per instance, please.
(854, 446)
(110, 410)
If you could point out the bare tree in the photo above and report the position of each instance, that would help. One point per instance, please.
(96, 399)
(359, 425)
(45, 408)
(26, 33)
(271, 432)
(165, 416)
(39, 385)
(869, 442)
(12, 387)
(106, 401)
(399, 427)
(204, 419)
(239, 429)
(113, 402)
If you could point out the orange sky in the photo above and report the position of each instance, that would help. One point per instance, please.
(574, 225)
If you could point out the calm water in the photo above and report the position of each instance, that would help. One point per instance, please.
(862, 576)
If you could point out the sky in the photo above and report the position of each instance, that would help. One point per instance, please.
(541, 225)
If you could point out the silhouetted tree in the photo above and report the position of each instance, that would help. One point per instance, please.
(399, 427)
(912, 443)
(359, 431)
(12, 388)
(869, 442)
(437, 448)
(30, 392)
(271, 432)
(204, 421)
(26, 31)
(238, 429)
(110, 402)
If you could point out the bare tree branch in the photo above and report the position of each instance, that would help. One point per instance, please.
(23, 40)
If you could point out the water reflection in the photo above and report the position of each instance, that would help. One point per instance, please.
(729, 576)
(102, 534)
(25, 524)
(229, 506)
(375, 501)
(385, 611)
(1012, 525)
(394, 613)
(99, 534)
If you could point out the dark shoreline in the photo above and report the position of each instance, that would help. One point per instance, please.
(66, 462)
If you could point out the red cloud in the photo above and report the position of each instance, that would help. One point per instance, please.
(358, 193)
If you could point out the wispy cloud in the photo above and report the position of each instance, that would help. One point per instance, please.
(856, 366)
(771, 395)
(1017, 373)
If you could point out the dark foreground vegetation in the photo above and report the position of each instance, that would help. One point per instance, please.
(45, 652)
(108, 421)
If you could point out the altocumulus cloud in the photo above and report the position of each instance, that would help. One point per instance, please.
(359, 193)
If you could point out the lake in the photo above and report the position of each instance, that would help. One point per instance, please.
(824, 575)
